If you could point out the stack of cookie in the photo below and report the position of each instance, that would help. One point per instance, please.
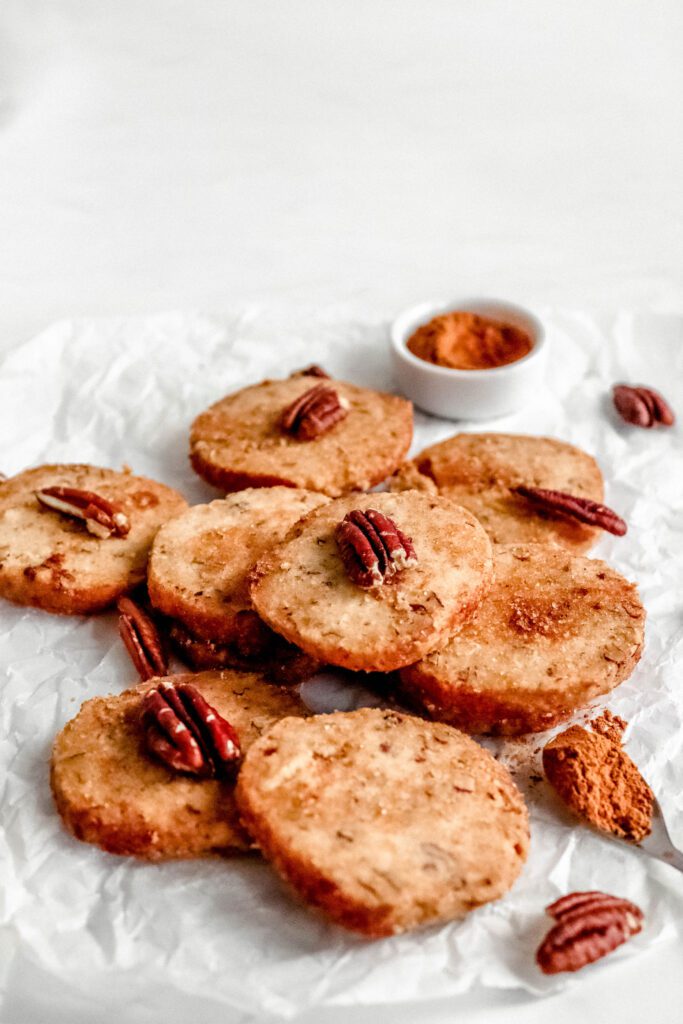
(468, 578)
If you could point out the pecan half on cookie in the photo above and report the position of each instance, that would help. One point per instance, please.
(102, 518)
(313, 413)
(372, 547)
(583, 509)
(187, 733)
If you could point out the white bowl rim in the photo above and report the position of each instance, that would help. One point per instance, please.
(399, 337)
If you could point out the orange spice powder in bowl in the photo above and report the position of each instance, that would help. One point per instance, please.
(470, 359)
(467, 341)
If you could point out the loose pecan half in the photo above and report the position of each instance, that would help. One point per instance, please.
(186, 733)
(103, 518)
(582, 509)
(311, 371)
(372, 547)
(141, 637)
(589, 925)
(641, 406)
(314, 413)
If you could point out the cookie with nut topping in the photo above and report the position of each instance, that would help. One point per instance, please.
(384, 821)
(73, 538)
(555, 631)
(370, 581)
(197, 576)
(305, 431)
(112, 788)
(482, 471)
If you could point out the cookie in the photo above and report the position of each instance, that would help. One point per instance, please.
(384, 821)
(301, 587)
(240, 441)
(478, 470)
(112, 793)
(197, 576)
(50, 560)
(555, 631)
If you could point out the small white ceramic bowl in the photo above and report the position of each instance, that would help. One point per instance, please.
(469, 394)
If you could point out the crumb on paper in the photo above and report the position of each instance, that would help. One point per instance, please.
(609, 725)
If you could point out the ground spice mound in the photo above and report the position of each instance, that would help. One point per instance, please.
(598, 781)
(466, 341)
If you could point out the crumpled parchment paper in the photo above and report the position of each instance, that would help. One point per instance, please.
(80, 924)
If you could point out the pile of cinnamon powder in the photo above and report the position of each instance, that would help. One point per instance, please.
(466, 341)
(598, 781)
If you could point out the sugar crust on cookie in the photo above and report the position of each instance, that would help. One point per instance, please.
(554, 632)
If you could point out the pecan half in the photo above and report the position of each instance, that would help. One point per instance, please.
(582, 509)
(141, 637)
(311, 371)
(102, 518)
(186, 733)
(589, 925)
(314, 413)
(641, 406)
(372, 547)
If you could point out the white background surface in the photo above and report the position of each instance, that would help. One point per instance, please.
(365, 155)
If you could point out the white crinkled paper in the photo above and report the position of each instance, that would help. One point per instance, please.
(79, 927)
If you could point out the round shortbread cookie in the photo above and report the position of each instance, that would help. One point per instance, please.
(384, 821)
(478, 470)
(197, 575)
(554, 631)
(110, 792)
(302, 590)
(200, 561)
(239, 442)
(51, 561)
